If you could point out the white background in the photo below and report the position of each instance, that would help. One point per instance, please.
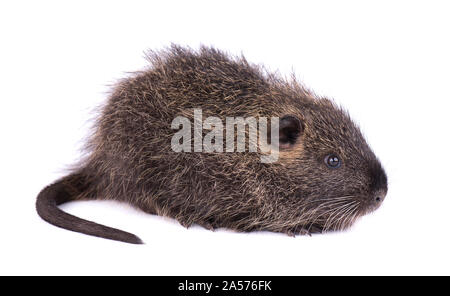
(387, 62)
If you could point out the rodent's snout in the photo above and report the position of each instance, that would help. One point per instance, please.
(378, 186)
(377, 200)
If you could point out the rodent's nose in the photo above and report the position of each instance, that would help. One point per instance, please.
(378, 198)
(375, 201)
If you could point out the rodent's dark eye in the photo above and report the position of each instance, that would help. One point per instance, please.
(333, 161)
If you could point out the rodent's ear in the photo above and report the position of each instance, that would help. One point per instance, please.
(291, 129)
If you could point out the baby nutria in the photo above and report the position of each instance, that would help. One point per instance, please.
(325, 175)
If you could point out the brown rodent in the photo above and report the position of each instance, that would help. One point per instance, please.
(326, 175)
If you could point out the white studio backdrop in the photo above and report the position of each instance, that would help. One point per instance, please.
(387, 62)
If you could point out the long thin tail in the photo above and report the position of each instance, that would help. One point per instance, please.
(65, 190)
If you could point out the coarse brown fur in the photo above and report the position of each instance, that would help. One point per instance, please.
(130, 157)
